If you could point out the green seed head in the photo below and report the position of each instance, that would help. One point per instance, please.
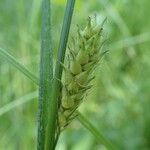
(67, 103)
(83, 58)
(73, 87)
(82, 78)
(75, 67)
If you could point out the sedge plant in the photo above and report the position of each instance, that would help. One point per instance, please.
(81, 60)
(61, 92)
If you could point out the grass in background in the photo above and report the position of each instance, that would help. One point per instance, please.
(120, 105)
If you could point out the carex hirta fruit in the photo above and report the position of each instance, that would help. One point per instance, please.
(82, 58)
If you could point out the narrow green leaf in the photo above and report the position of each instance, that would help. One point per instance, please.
(20, 101)
(19, 66)
(58, 73)
(131, 41)
(46, 74)
(99, 136)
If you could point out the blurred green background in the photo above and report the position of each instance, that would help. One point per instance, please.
(119, 103)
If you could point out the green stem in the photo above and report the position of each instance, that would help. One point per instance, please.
(50, 134)
(46, 74)
(99, 136)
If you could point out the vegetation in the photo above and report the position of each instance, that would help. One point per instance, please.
(116, 108)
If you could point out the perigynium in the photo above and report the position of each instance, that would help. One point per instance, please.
(81, 60)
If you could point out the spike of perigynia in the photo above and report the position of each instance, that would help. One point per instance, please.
(67, 102)
(83, 58)
(75, 67)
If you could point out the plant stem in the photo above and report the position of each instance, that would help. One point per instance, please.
(46, 73)
(99, 136)
(50, 134)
